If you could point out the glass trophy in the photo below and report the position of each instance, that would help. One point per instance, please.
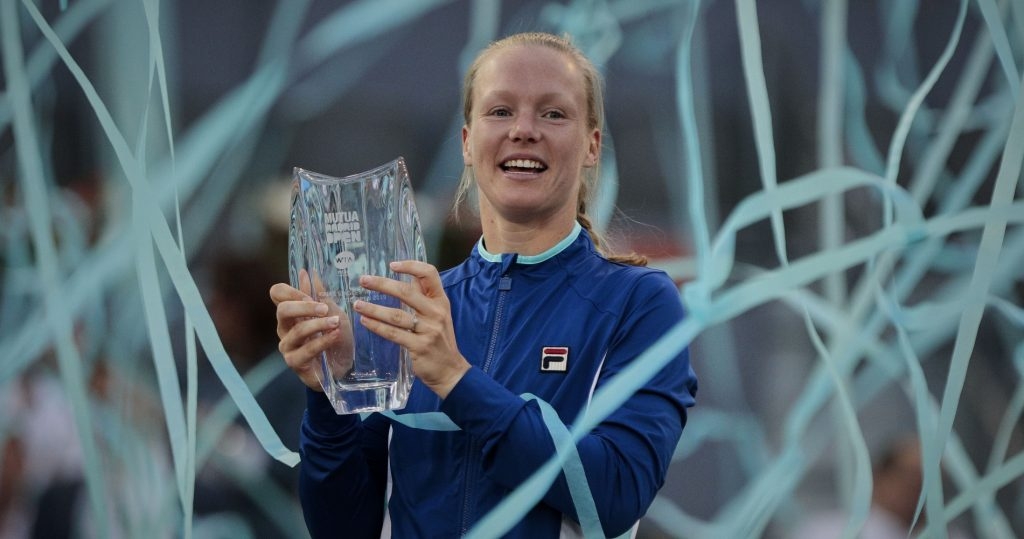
(342, 228)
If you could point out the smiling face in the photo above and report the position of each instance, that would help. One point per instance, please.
(527, 137)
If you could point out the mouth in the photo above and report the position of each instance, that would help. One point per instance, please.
(523, 166)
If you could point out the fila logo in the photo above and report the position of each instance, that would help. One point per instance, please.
(554, 359)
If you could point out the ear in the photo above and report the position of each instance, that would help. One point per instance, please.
(593, 149)
(467, 160)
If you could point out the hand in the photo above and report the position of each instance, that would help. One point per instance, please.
(427, 332)
(306, 328)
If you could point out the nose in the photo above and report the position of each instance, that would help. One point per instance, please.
(524, 130)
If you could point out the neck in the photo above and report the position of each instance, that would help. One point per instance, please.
(524, 238)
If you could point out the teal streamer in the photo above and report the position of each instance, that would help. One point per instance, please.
(163, 356)
(179, 274)
(608, 398)
(236, 113)
(977, 220)
(57, 320)
(1009, 422)
(990, 14)
(669, 517)
(863, 149)
(899, 136)
(815, 392)
(269, 497)
(913, 246)
(1001, 476)
(794, 193)
(566, 455)
(862, 485)
(223, 525)
(426, 420)
(988, 253)
(180, 425)
(830, 146)
(956, 200)
(898, 19)
(772, 284)
(757, 95)
(608, 188)
(103, 266)
(747, 514)
(863, 293)
(139, 476)
(28, 342)
(575, 475)
(1015, 252)
(359, 21)
(951, 125)
(42, 57)
(691, 141)
(926, 424)
(224, 412)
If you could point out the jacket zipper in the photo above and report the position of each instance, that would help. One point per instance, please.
(504, 285)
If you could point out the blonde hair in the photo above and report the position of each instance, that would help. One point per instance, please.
(594, 91)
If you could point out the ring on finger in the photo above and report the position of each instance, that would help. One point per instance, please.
(415, 322)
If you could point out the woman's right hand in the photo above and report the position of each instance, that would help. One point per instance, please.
(306, 328)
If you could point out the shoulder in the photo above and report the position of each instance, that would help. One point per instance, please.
(596, 276)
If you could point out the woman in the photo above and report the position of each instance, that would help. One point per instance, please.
(534, 309)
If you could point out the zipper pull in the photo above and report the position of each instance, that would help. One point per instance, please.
(507, 260)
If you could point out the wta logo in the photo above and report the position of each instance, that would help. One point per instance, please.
(344, 259)
(554, 359)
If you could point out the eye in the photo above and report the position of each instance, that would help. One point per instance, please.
(500, 112)
(554, 115)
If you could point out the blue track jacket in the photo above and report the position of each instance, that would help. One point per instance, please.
(558, 325)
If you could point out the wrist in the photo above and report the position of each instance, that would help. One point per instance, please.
(443, 388)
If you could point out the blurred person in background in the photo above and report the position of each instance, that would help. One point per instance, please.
(896, 488)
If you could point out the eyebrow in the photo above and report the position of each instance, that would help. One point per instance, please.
(546, 97)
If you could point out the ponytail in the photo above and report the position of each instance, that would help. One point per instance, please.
(632, 259)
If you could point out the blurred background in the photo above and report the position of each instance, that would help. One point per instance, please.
(834, 186)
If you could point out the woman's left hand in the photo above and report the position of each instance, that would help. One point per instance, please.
(427, 333)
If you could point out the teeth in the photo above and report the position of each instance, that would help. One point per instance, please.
(523, 163)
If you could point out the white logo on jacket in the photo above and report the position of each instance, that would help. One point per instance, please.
(554, 359)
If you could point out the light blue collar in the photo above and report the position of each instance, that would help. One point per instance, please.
(533, 259)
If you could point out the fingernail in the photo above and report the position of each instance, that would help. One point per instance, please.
(334, 320)
(358, 305)
(321, 309)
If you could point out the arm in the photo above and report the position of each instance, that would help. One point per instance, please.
(343, 473)
(626, 456)
(344, 459)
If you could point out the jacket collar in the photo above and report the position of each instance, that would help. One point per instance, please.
(557, 249)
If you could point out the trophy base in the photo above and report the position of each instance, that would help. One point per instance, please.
(364, 397)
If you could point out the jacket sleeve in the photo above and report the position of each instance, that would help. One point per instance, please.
(627, 455)
(343, 474)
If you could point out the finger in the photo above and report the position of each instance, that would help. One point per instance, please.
(282, 292)
(388, 315)
(307, 329)
(425, 274)
(300, 357)
(395, 334)
(318, 284)
(307, 308)
(408, 293)
(304, 283)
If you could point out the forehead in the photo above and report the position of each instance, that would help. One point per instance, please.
(529, 71)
